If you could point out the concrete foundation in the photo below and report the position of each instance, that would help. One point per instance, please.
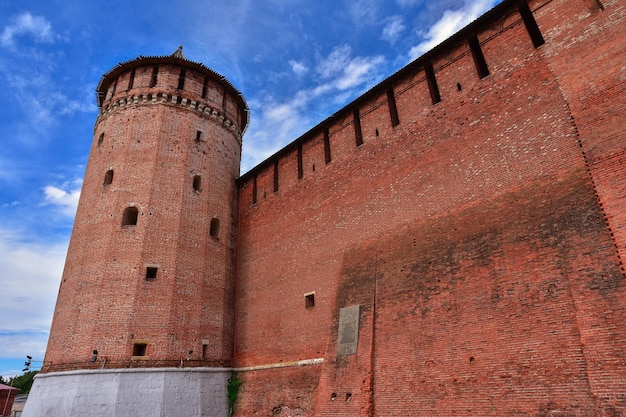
(130, 393)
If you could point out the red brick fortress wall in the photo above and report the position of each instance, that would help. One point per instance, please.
(473, 211)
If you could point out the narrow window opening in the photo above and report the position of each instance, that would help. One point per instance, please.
(348, 396)
(327, 157)
(432, 83)
(108, 177)
(198, 136)
(333, 396)
(197, 183)
(531, 25)
(313, 167)
(300, 169)
(139, 349)
(393, 109)
(129, 218)
(275, 176)
(358, 133)
(214, 231)
(131, 80)
(600, 5)
(205, 348)
(205, 87)
(155, 73)
(100, 139)
(458, 87)
(151, 274)
(309, 300)
(377, 134)
(254, 190)
(114, 88)
(181, 79)
(479, 58)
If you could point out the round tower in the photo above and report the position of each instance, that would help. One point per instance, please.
(147, 290)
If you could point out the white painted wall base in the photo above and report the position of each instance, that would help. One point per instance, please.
(161, 392)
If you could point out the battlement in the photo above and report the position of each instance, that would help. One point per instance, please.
(453, 69)
(177, 81)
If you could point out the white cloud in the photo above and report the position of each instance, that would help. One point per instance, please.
(31, 273)
(345, 72)
(66, 199)
(393, 29)
(451, 22)
(276, 123)
(298, 68)
(27, 24)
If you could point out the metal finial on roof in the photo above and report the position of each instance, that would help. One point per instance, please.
(179, 53)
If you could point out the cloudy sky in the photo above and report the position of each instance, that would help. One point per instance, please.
(295, 61)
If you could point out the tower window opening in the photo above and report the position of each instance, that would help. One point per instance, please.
(197, 183)
(108, 177)
(131, 80)
(155, 73)
(151, 273)
(100, 139)
(214, 229)
(309, 300)
(140, 349)
(198, 136)
(205, 348)
(129, 218)
(205, 87)
(181, 79)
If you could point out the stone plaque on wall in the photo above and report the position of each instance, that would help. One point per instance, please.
(348, 339)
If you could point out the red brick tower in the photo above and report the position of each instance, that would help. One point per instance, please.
(148, 283)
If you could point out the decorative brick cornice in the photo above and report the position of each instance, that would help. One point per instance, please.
(205, 110)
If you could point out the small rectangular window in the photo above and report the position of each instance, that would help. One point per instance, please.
(151, 272)
(140, 349)
(309, 300)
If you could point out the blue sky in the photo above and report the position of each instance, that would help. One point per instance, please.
(295, 61)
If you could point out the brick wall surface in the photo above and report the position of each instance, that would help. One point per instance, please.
(482, 236)
(474, 212)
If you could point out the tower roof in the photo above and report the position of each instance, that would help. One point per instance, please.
(177, 58)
